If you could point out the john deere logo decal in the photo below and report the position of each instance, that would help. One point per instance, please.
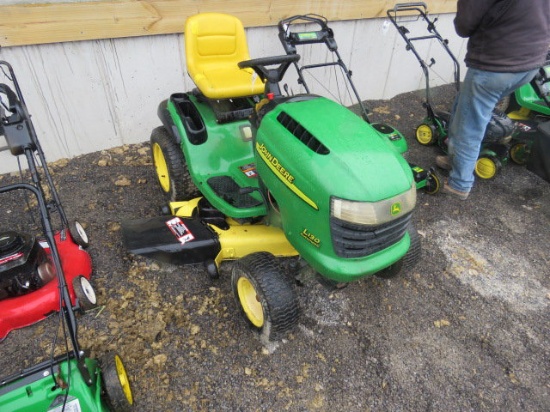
(395, 209)
(282, 173)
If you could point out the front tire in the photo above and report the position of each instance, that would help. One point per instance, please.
(487, 167)
(85, 293)
(266, 297)
(433, 183)
(78, 234)
(116, 384)
(171, 168)
(407, 262)
(426, 134)
(519, 153)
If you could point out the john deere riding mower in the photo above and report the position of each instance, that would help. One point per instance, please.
(252, 175)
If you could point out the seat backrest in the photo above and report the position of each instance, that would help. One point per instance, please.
(214, 45)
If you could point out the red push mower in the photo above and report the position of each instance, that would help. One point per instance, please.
(48, 274)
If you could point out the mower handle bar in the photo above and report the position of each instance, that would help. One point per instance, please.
(290, 39)
(400, 7)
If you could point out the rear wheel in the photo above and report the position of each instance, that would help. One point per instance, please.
(487, 167)
(85, 294)
(425, 134)
(266, 297)
(116, 385)
(171, 167)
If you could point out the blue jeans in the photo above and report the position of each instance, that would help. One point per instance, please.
(472, 110)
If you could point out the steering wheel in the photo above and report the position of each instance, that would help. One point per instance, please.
(272, 76)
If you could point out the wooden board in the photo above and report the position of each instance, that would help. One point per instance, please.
(27, 24)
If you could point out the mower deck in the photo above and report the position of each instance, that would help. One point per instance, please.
(18, 312)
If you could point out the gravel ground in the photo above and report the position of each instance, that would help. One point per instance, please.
(465, 330)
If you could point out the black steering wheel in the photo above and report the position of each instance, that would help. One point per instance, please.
(271, 76)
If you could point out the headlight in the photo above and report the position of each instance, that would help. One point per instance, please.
(374, 213)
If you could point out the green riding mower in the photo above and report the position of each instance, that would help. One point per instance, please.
(252, 175)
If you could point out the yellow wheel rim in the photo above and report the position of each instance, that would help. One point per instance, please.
(123, 378)
(250, 302)
(434, 185)
(424, 134)
(486, 168)
(161, 167)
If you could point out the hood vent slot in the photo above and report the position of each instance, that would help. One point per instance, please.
(302, 134)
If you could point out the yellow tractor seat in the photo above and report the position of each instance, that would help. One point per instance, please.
(214, 44)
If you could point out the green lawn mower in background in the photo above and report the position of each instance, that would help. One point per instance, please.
(252, 175)
(529, 107)
(434, 128)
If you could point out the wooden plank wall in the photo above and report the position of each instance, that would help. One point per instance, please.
(24, 24)
(91, 95)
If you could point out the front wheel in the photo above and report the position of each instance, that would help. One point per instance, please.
(266, 297)
(433, 183)
(407, 262)
(426, 134)
(519, 153)
(78, 234)
(171, 167)
(85, 294)
(487, 167)
(116, 385)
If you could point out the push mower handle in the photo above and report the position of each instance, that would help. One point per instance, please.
(290, 39)
(402, 7)
(13, 101)
(304, 18)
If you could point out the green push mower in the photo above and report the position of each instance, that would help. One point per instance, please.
(252, 175)
(433, 129)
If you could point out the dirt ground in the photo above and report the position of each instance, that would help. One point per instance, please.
(466, 330)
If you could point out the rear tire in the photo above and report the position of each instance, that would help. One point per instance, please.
(116, 385)
(171, 168)
(266, 297)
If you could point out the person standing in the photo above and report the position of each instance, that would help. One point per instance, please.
(507, 42)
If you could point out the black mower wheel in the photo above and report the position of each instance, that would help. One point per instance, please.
(487, 167)
(78, 234)
(267, 298)
(171, 168)
(85, 293)
(116, 386)
(519, 153)
(407, 262)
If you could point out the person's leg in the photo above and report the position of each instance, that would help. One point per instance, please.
(480, 92)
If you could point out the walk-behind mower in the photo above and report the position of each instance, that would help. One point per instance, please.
(433, 129)
(46, 274)
(253, 175)
(340, 87)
